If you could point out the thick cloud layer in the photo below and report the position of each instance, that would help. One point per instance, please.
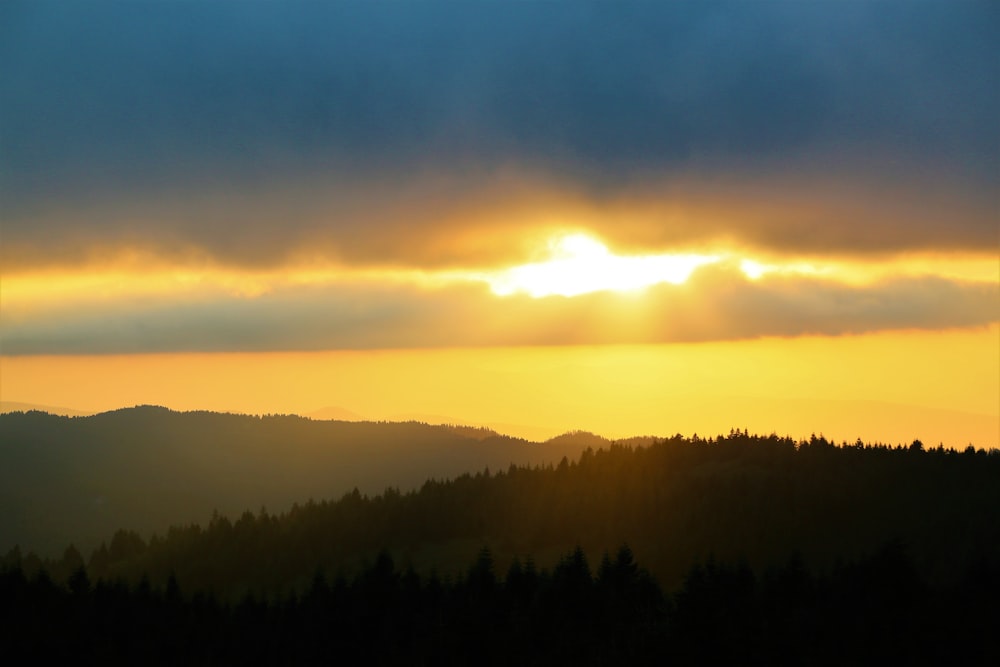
(249, 131)
(254, 138)
(718, 303)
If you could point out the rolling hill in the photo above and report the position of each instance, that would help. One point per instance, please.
(78, 479)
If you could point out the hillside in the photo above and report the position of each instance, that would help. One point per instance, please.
(736, 549)
(739, 498)
(79, 479)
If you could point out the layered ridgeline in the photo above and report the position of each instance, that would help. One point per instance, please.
(741, 550)
(77, 480)
(737, 498)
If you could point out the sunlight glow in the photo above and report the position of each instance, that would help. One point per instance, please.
(581, 264)
(871, 386)
(754, 270)
(572, 264)
(27, 294)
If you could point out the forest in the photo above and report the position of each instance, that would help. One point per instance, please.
(147, 468)
(874, 611)
(736, 548)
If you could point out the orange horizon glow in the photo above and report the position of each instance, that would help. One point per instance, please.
(889, 387)
(896, 385)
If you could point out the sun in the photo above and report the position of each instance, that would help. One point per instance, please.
(580, 264)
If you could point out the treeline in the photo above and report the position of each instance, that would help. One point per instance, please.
(739, 497)
(873, 611)
(80, 479)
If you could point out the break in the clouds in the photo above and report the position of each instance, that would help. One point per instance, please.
(354, 169)
(717, 303)
(435, 133)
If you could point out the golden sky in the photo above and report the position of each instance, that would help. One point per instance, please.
(894, 387)
(464, 215)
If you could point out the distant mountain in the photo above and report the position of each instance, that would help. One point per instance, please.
(335, 413)
(533, 433)
(14, 406)
(79, 479)
(582, 437)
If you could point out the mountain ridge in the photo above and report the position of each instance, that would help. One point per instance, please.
(77, 479)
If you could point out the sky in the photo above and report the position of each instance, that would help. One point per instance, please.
(628, 217)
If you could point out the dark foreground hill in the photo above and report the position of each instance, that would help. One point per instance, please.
(760, 550)
(738, 498)
(873, 611)
(79, 479)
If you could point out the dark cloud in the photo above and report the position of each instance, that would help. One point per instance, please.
(718, 303)
(118, 118)
(483, 219)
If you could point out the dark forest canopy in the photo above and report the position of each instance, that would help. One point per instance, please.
(826, 555)
(739, 497)
(876, 611)
(735, 549)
